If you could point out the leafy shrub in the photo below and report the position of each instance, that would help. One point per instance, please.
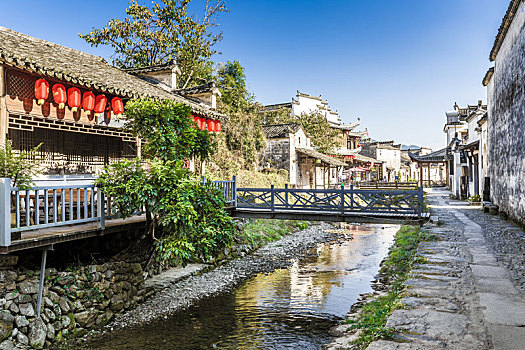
(21, 167)
(186, 219)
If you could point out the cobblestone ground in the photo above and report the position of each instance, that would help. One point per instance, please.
(470, 292)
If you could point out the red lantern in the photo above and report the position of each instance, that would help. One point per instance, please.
(88, 102)
(73, 98)
(196, 120)
(210, 123)
(118, 106)
(218, 126)
(100, 105)
(59, 94)
(202, 125)
(41, 91)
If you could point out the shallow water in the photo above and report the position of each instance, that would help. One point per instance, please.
(287, 309)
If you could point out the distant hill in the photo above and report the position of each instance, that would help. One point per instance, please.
(410, 147)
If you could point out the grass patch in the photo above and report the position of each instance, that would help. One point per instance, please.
(372, 318)
(258, 232)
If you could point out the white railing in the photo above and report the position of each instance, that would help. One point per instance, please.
(48, 205)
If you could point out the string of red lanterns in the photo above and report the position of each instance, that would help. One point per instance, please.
(89, 103)
(207, 124)
(75, 100)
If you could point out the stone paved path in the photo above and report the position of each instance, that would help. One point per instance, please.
(464, 297)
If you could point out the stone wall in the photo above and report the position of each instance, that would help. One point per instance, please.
(506, 123)
(277, 154)
(74, 301)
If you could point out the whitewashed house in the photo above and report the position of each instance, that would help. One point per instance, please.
(289, 148)
(463, 139)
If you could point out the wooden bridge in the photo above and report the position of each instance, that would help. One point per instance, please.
(60, 212)
(381, 203)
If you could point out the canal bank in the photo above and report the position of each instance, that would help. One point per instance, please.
(302, 286)
(465, 290)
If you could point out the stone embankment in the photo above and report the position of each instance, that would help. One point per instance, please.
(73, 301)
(467, 292)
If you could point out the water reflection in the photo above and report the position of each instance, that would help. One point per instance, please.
(288, 309)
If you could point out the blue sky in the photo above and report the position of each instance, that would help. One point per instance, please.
(398, 65)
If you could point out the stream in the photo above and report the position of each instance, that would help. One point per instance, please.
(291, 308)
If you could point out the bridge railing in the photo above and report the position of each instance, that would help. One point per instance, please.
(341, 200)
(387, 185)
(228, 189)
(49, 206)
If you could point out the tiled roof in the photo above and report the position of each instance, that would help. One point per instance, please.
(276, 107)
(434, 157)
(76, 67)
(280, 130)
(208, 87)
(488, 76)
(504, 27)
(365, 159)
(323, 157)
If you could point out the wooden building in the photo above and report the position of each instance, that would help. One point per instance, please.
(81, 141)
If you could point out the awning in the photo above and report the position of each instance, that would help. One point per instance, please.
(322, 157)
(358, 170)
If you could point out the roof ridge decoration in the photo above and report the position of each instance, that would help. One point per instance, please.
(154, 68)
(504, 27)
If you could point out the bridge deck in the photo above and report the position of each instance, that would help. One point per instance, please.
(52, 235)
(334, 216)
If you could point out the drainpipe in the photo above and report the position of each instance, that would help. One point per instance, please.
(42, 277)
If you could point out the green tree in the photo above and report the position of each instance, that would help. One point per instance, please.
(324, 137)
(231, 80)
(162, 32)
(186, 219)
(244, 135)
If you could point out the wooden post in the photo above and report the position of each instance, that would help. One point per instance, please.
(139, 146)
(235, 190)
(272, 193)
(429, 183)
(447, 176)
(351, 197)
(286, 196)
(342, 200)
(100, 209)
(420, 201)
(315, 174)
(5, 212)
(3, 108)
(420, 174)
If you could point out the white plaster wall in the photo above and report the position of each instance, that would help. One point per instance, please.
(390, 156)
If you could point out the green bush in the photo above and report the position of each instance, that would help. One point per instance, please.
(20, 167)
(186, 219)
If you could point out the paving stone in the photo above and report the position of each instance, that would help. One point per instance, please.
(484, 259)
(507, 337)
(427, 283)
(489, 271)
(502, 309)
(434, 324)
(390, 345)
(496, 285)
(438, 304)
